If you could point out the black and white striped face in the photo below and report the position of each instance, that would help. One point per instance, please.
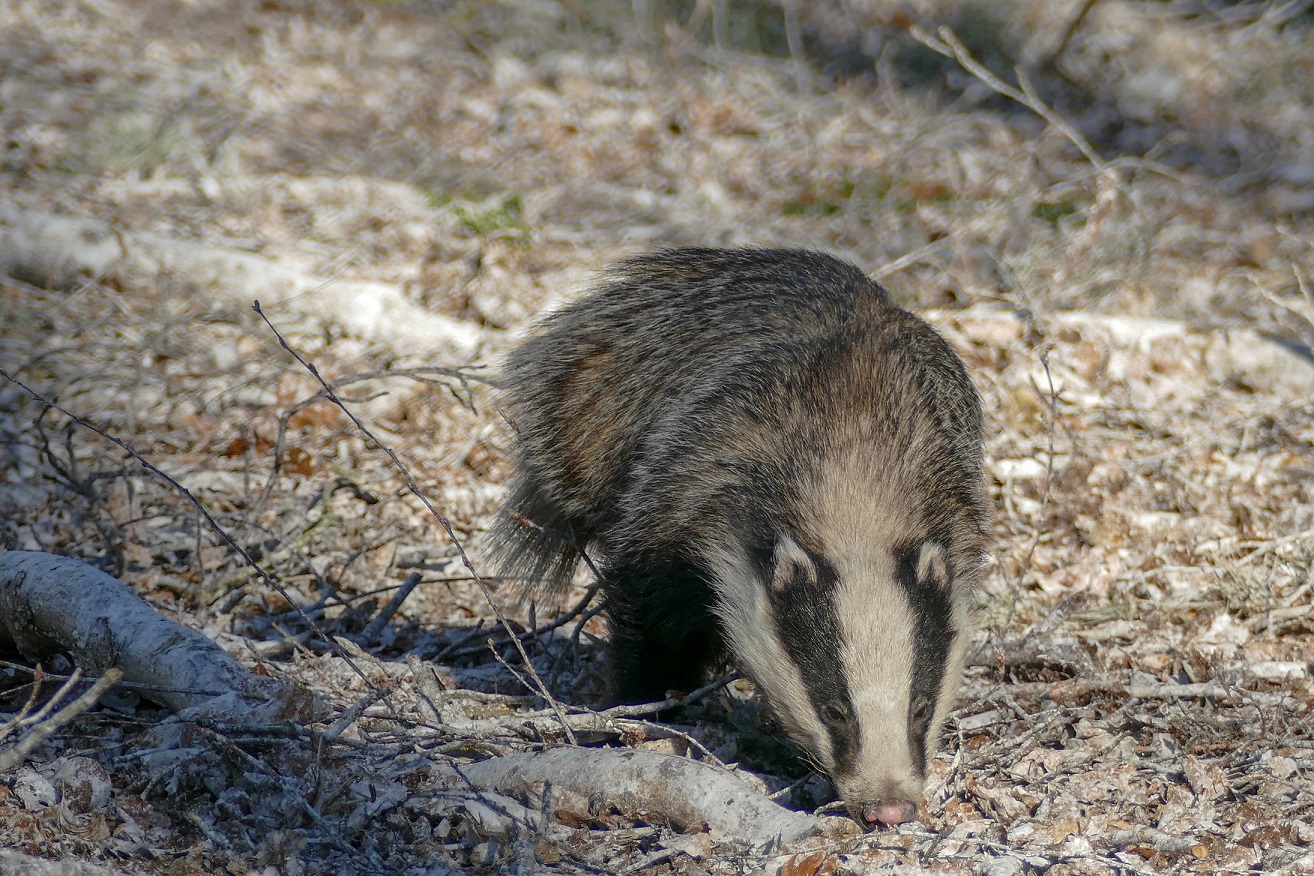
(859, 652)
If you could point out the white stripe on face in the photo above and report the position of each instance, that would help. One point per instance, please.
(746, 617)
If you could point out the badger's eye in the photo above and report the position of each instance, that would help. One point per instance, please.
(833, 713)
(921, 711)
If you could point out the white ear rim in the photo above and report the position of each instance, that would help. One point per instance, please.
(933, 564)
(788, 562)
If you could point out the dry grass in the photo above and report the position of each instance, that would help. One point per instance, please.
(1154, 486)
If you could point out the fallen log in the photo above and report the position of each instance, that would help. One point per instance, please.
(54, 604)
(52, 249)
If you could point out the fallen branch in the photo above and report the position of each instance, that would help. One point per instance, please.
(375, 627)
(50, 603)
(14, 863)
(951, 47)
(56, 249)
(11, 757)
(609, 724)
(1140, 835)
(681, 792)
(200, 509)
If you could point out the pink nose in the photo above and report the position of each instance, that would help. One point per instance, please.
(888, 813)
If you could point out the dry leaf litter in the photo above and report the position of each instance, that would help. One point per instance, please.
(1139, 696)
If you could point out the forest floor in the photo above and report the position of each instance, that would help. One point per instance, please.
(1121, 249)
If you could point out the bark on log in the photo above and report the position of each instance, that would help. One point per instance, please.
(672, 789)
(50, 603)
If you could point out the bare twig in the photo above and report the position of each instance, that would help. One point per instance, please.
(951, 47)
(460, 647)
(553, 705)
(1306, 313)
(1277, 15)
(414, 488)
(44, 730)
(572, 647)
(196, 503)
(630, 711)
(40, 675)
(1050, 58)
(794, 39)
(562, 620)
(431, 691)
(423, 375)
(1051, 404)
(67, 469)
(353, 714)
(375, 627)
(1024, 565)
(27, 717)
(910, 258)
(26, 711)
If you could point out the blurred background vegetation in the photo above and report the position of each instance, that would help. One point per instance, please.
(610, 125)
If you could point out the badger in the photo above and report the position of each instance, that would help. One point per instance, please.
(779, 468)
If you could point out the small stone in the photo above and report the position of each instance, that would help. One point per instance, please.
(484, 854)
(1283, 767)
(83, 784)
(33, 790)
(1004, 865)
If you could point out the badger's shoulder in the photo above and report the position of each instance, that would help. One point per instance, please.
(876, 421)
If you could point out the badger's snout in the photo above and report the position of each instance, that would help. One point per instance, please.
(886, 813)
(883, 795)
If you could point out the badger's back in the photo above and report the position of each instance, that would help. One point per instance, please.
(875, 419)
(587, 385)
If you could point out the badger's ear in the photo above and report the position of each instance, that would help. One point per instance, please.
(790, 563)
(933, 567)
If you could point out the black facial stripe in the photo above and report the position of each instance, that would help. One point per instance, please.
(809, 630)
(933, 637)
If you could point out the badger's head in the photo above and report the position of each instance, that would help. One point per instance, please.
(858, 647)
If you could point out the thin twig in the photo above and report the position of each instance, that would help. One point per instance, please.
(654, 730)
(460, 647)
(630, 711)
(10, 758)
(1050, 58)
(431, 690)
(375, 627)
(423, 375)
(794, 39)
(25, 713)
(562, 620)
(951, 47)
(1301, 313)
(353, 714)
(1024, 565)
(910, 258)
(200, 508)
(572, 646)
(415, 490)
(1051, 403)
(39, 675)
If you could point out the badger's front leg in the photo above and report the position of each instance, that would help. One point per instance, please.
(664, 636)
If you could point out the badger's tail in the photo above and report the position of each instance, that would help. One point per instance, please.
(534, 543)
